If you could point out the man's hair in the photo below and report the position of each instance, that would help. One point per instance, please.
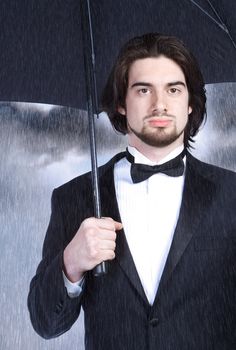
(154, 45)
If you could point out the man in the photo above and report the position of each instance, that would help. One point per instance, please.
(169, 236)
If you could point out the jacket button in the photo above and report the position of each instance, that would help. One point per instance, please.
(154, 322)
(59, 307)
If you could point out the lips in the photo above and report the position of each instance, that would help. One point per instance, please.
(159, 122)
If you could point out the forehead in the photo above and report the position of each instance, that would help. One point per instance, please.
(155, 69)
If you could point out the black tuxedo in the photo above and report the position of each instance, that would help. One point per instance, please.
(195, 305)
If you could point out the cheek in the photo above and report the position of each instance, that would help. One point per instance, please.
(131, 110)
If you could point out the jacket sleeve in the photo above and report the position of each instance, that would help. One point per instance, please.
(52, 311)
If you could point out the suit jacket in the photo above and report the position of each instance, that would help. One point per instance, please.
(195, 305)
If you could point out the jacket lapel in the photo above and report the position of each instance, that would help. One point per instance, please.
(110, 208)
(197, 197)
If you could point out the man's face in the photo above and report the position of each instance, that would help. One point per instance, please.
(157, 105)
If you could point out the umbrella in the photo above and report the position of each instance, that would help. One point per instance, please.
(41, 55)
(46, 57)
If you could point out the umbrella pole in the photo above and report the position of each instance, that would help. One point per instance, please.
(89, 63)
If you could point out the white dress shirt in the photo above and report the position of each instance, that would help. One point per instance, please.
(73, 288)
(149, 212)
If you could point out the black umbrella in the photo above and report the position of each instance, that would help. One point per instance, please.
(41, 55)
(43, 49)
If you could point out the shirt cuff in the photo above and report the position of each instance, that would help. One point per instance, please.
(74, 289)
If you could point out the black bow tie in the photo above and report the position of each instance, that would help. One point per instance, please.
(140, 172)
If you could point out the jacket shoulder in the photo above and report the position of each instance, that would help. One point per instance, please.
(208, 169)
(84, 181)
(223, 179)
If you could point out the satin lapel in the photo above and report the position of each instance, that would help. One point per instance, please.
(110, 208)
(197, 197)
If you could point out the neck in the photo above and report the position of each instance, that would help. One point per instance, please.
(155, 154)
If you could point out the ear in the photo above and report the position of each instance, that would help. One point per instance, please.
(121, 110)
(190, 109)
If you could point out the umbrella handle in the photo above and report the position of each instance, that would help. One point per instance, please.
(100, 269)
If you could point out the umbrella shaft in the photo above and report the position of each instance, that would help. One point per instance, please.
(89, 62)
(93, 153)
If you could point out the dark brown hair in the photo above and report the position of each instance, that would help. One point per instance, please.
(154, 45)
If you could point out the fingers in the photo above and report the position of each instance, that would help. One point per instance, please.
(109, 224)
(107, 255)
(102, 224)
(115, 225)
(94, 242)
(107, 244)
(105, 235)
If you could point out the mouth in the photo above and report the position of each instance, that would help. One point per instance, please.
(159, 122)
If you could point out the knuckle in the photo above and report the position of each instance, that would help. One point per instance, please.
(87, 223)
(108, 218)
(89, 232)
(112, 255)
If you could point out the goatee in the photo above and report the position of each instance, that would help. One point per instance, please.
(158, 137)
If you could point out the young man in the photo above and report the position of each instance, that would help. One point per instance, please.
(168, 227)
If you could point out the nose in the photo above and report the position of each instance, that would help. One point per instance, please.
(158, 103)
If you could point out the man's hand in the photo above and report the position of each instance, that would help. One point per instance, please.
(93, 243)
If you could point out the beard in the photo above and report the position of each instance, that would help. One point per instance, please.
(157, 137)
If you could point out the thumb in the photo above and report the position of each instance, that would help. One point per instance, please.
(118, 225)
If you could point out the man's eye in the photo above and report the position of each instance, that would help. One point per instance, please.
(144, 91)
(174, 90)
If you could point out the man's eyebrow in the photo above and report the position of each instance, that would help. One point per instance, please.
(174, 83)
(141, 83)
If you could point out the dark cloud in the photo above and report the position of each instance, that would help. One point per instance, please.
(216, 141)
(52, 133)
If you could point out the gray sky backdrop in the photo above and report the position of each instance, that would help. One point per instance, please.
(43, 147)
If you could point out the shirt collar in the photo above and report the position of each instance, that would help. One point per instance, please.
(140, 158)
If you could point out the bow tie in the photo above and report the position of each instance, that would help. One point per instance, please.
(141, 172)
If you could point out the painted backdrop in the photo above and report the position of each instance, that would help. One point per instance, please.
(42, 147)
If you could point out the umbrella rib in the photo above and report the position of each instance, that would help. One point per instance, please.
(93, 60)
(220, 23)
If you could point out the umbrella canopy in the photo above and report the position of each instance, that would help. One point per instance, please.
(41, 56)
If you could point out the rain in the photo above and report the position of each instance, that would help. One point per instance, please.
(44, 146)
